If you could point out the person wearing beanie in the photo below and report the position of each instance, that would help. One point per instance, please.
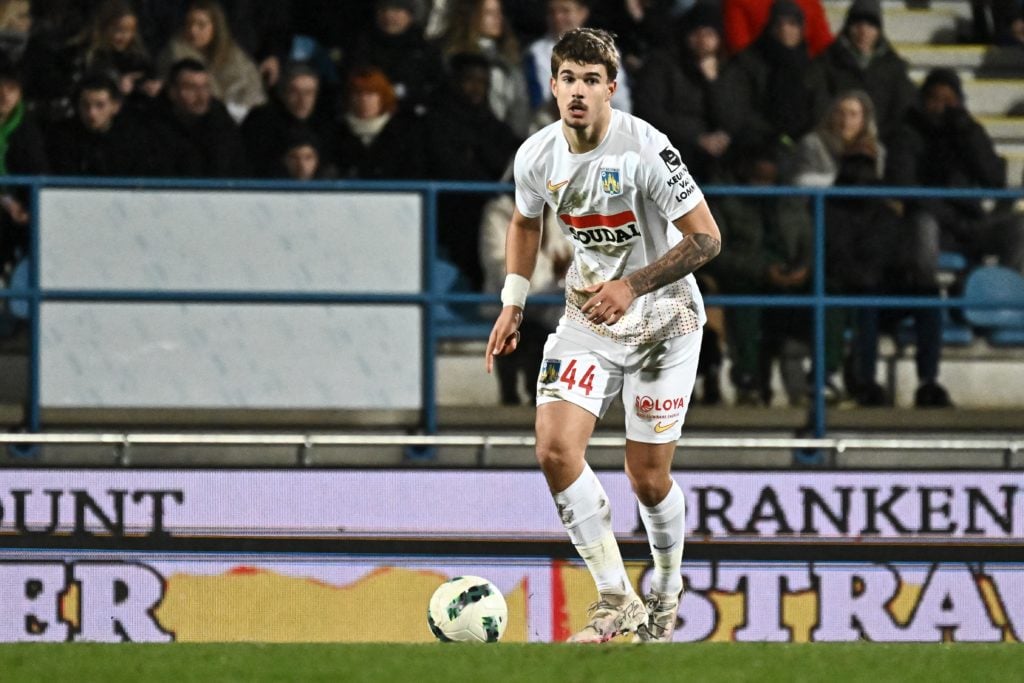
(775, 95)
(745, 20)
(861, 58)
(941, 145)
(396, 45)
(679, 90)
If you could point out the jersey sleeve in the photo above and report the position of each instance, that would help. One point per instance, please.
(668, 181)
(529, 195)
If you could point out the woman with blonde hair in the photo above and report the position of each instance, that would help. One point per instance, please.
(480, 26)
(111, 44)
(205, 36)
(848, 127)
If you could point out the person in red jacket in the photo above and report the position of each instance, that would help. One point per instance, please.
(746, 19)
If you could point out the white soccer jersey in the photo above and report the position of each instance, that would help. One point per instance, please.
(616, 204)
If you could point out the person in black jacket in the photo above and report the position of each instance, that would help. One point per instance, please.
(775, 94)
(100, 140)
(194, 130)
(679, 91)
(377, 139)
(395, 44)
(861, 58)
(294, 109)
(22, 152)
(942, 145)
(870, 251)
(464, 140)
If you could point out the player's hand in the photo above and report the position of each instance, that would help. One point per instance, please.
(608, 302)
(504, 335)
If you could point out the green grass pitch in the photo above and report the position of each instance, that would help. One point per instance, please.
(253, 663)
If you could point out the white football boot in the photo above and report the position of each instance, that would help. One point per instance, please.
(612, 615)
(662, 611)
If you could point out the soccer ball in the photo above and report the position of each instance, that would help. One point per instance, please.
(467, 609)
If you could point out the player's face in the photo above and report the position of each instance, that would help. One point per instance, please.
(583, 93)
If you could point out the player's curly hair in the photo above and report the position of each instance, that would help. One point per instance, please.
(586, 46)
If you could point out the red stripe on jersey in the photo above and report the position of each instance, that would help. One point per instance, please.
(596, 220)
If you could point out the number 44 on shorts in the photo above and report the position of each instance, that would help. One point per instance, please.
(586, 382)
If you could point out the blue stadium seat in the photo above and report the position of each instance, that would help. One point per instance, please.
(1004, 326)
(19, 308)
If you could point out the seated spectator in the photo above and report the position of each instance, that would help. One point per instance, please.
(562, 16)
(869, 253)
(848, 126)
(464, 140)
(745, 20)
(21, 153)
(942, 145)
(263, 30)
(774, 94)
(377, 140)
(295, 107)
(479, 26)
(112, 44)
(49, 63)
(1000, 22)
(861, 58)
(205, 37)
(100, 141)
(395, 44)
(15, 25)
(680, 92)
(300, 159)
(519, 370)
(770, 251)
(193, 129)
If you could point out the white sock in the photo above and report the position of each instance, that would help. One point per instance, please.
(665, 523)
(587, 516)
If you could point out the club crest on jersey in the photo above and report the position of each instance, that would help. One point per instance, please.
(549, 371)
(611, 182)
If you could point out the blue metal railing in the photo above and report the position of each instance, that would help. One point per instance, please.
(432, 295)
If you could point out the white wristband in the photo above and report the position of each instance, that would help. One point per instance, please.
(515, 290)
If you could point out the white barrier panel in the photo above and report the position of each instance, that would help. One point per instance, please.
(231, 356)
(111, 597)
(515, 504)
(217, 356)
(247, 241)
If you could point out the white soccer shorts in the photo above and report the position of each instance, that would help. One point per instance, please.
(655, 380)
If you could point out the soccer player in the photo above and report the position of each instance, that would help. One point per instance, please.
(632, 323)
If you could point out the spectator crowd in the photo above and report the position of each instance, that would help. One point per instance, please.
(752, 92)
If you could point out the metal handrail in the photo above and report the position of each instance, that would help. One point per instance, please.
(818, 300)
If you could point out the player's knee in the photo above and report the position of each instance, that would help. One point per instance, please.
(650, 486)
(554, 456)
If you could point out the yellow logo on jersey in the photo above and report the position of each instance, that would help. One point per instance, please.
(610, 182)
(555, 187)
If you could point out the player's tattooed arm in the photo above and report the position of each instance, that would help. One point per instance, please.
(701, 243)
(678, 262)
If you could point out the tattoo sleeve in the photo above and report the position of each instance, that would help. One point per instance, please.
(693, 252)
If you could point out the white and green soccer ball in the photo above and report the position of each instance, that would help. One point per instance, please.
(467, 609)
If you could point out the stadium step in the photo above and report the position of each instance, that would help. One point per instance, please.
(941, 22)
(978, 59)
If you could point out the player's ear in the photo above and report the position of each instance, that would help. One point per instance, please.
(553, 84)
(612, 87)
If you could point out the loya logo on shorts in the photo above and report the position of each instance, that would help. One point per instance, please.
(646, 404)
